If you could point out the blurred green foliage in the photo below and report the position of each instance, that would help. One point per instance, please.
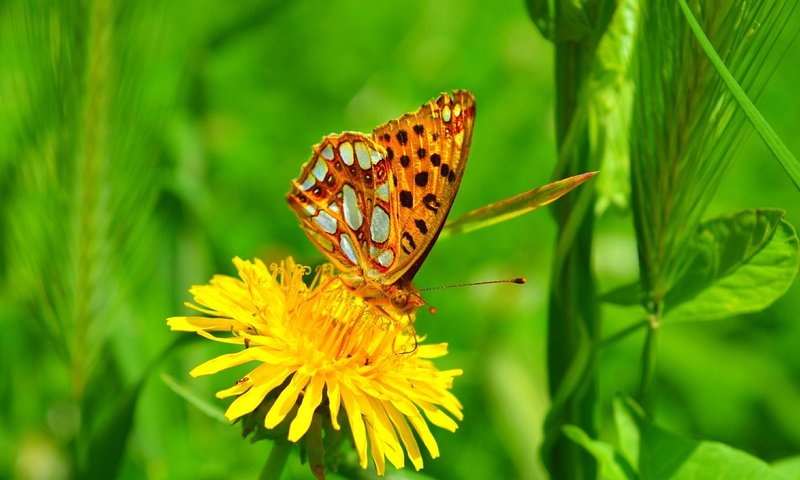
(145, 144)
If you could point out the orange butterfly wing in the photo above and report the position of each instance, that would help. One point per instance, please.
(374, 205)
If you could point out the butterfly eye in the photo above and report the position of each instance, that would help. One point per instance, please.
(399, 299)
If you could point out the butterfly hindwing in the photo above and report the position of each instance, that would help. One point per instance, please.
(342, 197)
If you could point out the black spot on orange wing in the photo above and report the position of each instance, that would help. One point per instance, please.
(451, 177)
(421, 226)
(402, 137)
(407, 243)
(421, 179)
(389, 153)
(419, 129)
(436, 159)
(431, 203)
(445, 170)
(404, 161)
(421, 153)
(406, 199)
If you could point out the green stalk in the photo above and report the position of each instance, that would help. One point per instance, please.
(649, 357)
(572, 319)
(276, 461)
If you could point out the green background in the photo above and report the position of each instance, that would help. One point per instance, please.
(213, 107)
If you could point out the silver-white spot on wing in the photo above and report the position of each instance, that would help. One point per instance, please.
(326, 222)
(362, 154)
(376, 156)
(307, 183)
(379, 227)
(320, 169)
(386, 258)
(348, 248)
(383, 191)
(310, 209)
(346, 151)
(352, 213)
(327, 152)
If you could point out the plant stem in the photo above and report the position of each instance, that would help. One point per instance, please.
(649, 357)
(276, 461)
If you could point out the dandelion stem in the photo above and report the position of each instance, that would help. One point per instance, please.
(276, 461)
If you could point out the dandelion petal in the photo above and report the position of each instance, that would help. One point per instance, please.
(311, 400)
(286, 400)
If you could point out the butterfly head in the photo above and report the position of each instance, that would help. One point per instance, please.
(404, 300)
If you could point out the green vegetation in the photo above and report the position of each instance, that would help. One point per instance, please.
(143, 145)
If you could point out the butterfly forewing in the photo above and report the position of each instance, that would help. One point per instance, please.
(374, 204)
(428, 153)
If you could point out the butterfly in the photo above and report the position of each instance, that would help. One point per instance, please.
(375, 204)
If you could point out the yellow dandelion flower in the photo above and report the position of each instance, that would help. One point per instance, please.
(319, 348)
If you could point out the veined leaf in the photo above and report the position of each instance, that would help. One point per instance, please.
(742, 263)
(664, 455)
(514, 206)
(613, 465)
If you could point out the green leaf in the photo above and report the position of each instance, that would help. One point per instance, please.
(782, 153)
(664, 455)
(514, 206)
(628, 436)
(613, 465)
(788, 467)
(741, 263)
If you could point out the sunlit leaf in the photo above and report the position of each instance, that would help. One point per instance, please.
(788, 467)
(514, 206)
(613, 465)
(742, 263)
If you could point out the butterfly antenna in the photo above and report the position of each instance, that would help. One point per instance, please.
(517, 281)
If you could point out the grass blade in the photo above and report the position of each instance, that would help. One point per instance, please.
(513, 207)
(777, 147)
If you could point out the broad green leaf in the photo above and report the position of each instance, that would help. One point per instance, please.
(613, 465)
(782, 153)
(664, 455)
(209, 409)
(741, 263)
(788, 467)
(514, 206)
